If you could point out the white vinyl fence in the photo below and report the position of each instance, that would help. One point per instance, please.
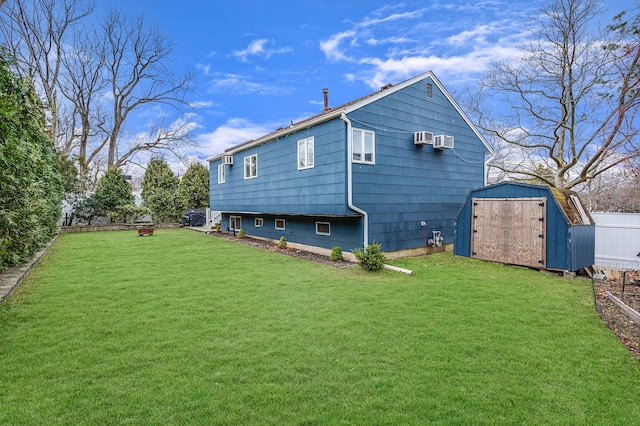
(617, 240)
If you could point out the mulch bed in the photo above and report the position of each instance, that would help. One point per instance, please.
(301, 254)
(627, 330)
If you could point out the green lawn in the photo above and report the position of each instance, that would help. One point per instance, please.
(186, 328)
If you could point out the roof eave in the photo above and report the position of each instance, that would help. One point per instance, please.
(279, 134)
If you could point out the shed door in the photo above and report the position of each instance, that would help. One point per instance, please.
(509, 230)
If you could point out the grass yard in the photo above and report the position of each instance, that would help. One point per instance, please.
(186, 328)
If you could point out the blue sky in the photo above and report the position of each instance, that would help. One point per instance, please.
(261, 64)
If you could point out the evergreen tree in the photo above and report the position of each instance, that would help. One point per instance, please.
(160, 192)
(30, 183)
(194, 187)
(113, 191)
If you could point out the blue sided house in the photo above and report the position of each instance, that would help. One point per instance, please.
(393, 167)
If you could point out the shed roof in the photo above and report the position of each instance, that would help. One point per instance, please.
(570, 204)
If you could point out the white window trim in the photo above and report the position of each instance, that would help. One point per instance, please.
(258, 222)
(305, 143)
(232, 221)
(253, 157)
(221, 174)
(373, 147)
(284, 224)
(323, 233)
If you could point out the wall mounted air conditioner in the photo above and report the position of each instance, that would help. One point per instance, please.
(227, 160)
(423, 138)
(443, 142)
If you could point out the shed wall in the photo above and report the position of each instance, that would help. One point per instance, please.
(568, 247)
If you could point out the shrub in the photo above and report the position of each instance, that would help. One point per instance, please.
(242, 234)
(371, 258)
(128, 213)
(282, 243)
(336, 254)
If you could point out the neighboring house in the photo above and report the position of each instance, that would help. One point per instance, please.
(391, 167)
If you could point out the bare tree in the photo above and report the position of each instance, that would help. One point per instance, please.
(36, 31)
(136, 59)
(81, 84)
(571, 99)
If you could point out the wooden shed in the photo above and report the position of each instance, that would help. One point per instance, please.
(528, 225)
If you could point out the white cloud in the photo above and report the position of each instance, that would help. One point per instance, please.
(457, 51)
(200, 104)
(233, 132)
(391, 18)
(204, 68)
(257, 48)
(476, 35)
(331, 47)
(240, 84)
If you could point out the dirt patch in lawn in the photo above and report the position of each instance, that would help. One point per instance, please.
(294, 252)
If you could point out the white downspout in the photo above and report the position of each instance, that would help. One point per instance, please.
(486, 168)
(365, 216)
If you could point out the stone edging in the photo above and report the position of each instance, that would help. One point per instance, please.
(11, 277)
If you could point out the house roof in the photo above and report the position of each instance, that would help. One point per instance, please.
(354, 105)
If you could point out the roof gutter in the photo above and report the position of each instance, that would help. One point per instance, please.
(350, 204)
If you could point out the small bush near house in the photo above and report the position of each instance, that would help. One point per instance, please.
(242, 234)
(282, 243)
(336, 254)
(371, 258)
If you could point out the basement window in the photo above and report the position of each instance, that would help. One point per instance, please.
(323, 228)
(280, 224)
(258, 222)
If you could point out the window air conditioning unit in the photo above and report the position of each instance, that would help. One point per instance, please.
(443, 142)
(227, 160)
(423, 138)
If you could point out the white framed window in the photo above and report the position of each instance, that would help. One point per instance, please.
(363, 146)
(323, 228)
(251, 166)
(221, 173)
(258, 222)
(235, 223)
(305, 153)
(280, 224)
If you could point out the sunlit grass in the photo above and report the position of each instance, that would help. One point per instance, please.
(186, 328)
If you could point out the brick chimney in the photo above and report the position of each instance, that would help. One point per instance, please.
(325, 92)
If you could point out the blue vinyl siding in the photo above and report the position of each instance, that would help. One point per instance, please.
(280, 187)
(568, 247)
(346, 232)
(413, 183)
(407, 184)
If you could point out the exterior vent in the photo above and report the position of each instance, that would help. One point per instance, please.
(423, 138)
(227, 160)
(443, 142)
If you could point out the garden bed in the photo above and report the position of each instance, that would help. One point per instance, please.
(627, 330)
(294, 252)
